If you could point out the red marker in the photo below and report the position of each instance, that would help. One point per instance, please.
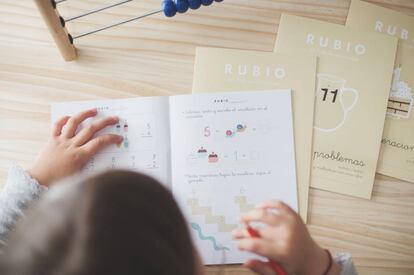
(274, 265)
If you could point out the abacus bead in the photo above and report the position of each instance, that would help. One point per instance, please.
(169, 8)
(182, 6)
(206, 2)
(194, 4)
(218, 0)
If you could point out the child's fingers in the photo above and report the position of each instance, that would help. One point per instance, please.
(77, 119)
(255, 245)
(98, 143)
(279, 205)
(261, 215)
(87, 133)
(268, 233)
(259, 267)
(58, 125)
(240, 233)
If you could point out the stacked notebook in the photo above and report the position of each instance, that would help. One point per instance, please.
(330, 107)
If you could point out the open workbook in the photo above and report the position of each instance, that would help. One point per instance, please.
(220, 154)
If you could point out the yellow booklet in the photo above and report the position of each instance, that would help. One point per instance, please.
(223, 70)
(353, 82)
(397, 150)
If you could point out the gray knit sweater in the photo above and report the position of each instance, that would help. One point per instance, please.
(18, 193)
(21, 190)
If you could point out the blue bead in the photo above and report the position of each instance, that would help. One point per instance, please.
(206, 2)
(182, 6)
(194, 4)
(169, 7)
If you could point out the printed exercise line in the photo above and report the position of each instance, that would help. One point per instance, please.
(400, 102)
(216, 247)
(397, 110)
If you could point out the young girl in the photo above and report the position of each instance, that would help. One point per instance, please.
(122, 222)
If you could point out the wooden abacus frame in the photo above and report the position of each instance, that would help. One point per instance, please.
(56, 25)
(64, 40)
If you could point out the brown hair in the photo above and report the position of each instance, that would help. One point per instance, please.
(115, 223)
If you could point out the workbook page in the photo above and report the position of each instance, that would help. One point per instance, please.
(143, 123)
(226, 70)
(397, 144)
(351, 96)
(230, 151)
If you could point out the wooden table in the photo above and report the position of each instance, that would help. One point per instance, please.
(155, 57)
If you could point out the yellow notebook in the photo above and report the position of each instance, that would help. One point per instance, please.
(219, 70)
(397, 150)
(353, 82)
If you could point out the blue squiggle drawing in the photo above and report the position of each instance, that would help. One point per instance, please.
(216, 247)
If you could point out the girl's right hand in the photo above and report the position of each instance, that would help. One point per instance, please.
(284, 239)
(68, 150)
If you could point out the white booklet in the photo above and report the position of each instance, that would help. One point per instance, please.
(221, 154)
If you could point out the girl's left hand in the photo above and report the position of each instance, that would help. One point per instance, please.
(67, 151)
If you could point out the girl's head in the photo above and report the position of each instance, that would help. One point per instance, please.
(115, 223)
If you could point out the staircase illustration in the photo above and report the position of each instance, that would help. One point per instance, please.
(209, 218)
(244, 206)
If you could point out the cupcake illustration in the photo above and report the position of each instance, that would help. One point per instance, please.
(119, 144)
(126, 126)
(213, 158)
(400, 102)
(118, 128)
(126, 142)
(202, 153)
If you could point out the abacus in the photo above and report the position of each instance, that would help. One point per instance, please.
(65, 41)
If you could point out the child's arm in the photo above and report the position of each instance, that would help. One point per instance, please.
(19, 191)
(285, 239)
(66, 152)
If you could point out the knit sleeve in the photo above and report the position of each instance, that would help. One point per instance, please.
(345, 262)
(18, 193)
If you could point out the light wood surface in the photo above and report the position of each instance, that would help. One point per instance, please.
(155, 57)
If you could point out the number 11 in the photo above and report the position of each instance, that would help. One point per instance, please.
(335, 93)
